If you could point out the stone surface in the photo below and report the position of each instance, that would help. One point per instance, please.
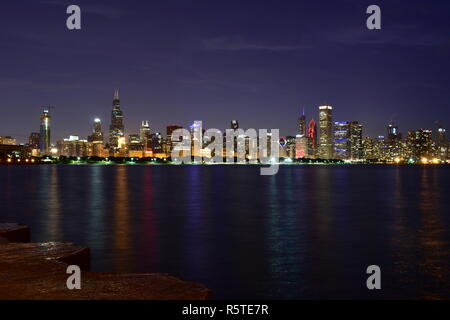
(13, 232)
(38, 271)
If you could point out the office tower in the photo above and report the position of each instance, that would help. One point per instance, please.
(369, 149)
(96, 141)
(442, 143)
(393, 147)
(348, 140)
(135, 146)
(301, 146)
(302, 125)
(33, 140)
(44, 142)
(312, 139)
(234, 124)
(342, 140)
(169, 144)
(326, 132)
(73, 147)
(356, 148)
(116, 129)
(157, 143)
(144, 132)
(196, 130)
(393, 134)
(420, 144)
(7, 140)
(97, 134)
(170, 130)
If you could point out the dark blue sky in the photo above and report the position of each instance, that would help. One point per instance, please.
(256, 61)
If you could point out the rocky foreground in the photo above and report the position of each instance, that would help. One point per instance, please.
(37, 271)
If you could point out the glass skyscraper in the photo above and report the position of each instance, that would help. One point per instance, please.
(325, 132)
(44, 136)
(116, 129)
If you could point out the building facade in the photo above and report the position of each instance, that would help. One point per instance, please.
(116, 129)
(325, 132)
(44, 135)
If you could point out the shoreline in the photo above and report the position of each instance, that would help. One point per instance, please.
(37, 271)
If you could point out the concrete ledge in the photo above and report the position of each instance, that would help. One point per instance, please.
(37, 271)
(13, 232)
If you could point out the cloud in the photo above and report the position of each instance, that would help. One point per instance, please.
(240, 44)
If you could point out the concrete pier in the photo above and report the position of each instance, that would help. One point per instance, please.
(37, 271)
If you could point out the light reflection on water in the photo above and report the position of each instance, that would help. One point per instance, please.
(308, 232)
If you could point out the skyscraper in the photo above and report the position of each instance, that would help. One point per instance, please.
(145, 135)
(34, 140)
(442, 143)
(144, 131)
(116, 129)
(393, 134)
(44, 137)
(342, 140)
(348, 140)
(420, 144)
(96, 140)
(302, 125)
(312, 139)
(326, 132)
(97, 134)
(234, 124)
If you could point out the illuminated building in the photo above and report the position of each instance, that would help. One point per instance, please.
(33, 144)
(33, 140)
(196, 138)
(290, 146)
(312, 139)
(393, 134)
(116, 129)
(356, 148)
(302, 125)
(301, 140)
(145, 133)
(7, 140)
(73, 147)
(301, 146)
(97, 134)
(44, 142)
(167, 146)
(342, 140)
(420, 144)
(369, 149)
(157, 144)
(442, 143)
(135, 146)
(96, 140)
(325, 132)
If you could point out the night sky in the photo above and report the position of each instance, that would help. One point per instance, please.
(259, 62)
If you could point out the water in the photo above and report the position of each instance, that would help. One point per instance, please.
(307, 233)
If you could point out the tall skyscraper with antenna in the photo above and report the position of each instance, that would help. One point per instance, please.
(302, 124)
(116, 129)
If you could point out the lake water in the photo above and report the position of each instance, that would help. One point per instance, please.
(307, 233)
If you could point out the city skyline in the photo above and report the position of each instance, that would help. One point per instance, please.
(240, 67)
(302, 116)
(330, 140)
